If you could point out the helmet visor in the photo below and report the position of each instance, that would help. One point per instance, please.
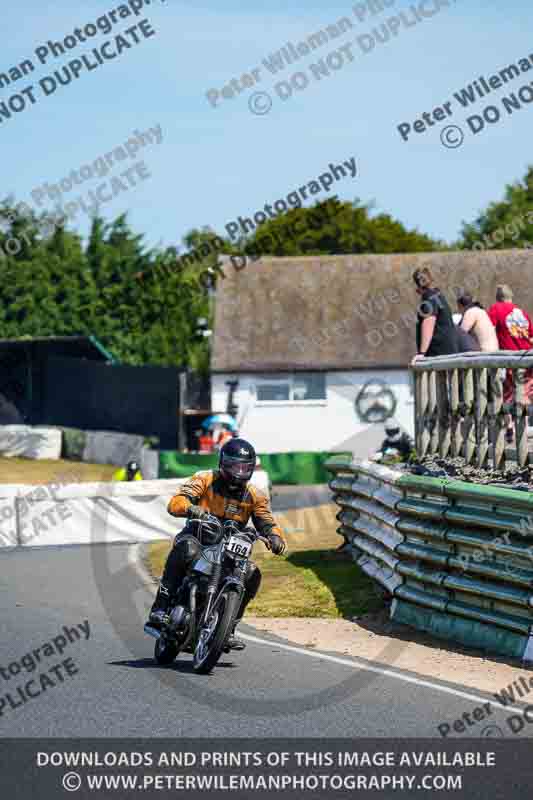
(235, 468)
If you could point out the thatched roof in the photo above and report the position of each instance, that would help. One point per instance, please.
(344, 312)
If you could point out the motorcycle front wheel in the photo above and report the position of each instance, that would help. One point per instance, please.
(216, 630)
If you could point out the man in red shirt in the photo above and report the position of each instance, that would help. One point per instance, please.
(514, 330)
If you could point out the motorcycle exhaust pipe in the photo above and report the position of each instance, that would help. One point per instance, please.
(152, 631)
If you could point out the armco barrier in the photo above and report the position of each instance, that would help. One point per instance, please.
(90, 513)
(456, 557)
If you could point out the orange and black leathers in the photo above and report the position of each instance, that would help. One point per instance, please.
(209, 491)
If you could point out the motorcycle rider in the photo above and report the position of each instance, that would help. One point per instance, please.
(397, 444)
(227, 494)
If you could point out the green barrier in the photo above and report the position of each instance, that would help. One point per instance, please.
(282, 468)
(182, 465)
(468, 632)
(72, 444)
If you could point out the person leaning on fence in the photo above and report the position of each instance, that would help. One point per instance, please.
(436, 333)
(515, 332)
(476, 323)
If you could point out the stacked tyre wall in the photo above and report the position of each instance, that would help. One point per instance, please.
(456, 557)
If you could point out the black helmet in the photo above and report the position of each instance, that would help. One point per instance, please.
(237, 462)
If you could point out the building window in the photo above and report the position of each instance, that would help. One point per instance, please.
(300, 387)
(273, 390)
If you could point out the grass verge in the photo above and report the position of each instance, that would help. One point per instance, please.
(35, 471)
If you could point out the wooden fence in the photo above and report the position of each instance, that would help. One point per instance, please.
(460, 408)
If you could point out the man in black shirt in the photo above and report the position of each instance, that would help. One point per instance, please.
(436, 333)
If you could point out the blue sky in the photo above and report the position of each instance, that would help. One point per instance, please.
(215, 164)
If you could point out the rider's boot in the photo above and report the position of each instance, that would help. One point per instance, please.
(158, 616)
(233, 642)
(252, 583)
(168, 585)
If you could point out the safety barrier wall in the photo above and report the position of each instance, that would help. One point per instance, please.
(459, 408)
(456, 557)
(90, 513)
(96, 447)
(30, 442)
(283, 468)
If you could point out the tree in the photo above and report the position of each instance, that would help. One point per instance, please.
(51, 285)
(335, 228)
(504, 224)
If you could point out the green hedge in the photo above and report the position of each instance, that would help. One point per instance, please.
(283, 468)
(72, 444)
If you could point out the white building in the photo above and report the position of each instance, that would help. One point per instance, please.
(309, 342)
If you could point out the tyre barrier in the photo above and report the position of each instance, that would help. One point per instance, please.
(456, 557)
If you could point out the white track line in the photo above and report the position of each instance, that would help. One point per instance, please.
(133, 557)
(380, 671)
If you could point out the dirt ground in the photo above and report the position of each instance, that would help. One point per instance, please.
(375, 638)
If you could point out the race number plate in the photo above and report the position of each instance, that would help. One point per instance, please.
(239, 547)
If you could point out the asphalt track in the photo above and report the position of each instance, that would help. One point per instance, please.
(269, 690)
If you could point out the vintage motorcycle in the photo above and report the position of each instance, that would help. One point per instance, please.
(203, 612)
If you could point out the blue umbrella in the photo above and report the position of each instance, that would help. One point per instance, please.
(220, 419)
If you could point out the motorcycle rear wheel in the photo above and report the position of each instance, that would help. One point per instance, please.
(214, 633)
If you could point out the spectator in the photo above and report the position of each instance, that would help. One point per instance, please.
(515, 332)
(436, 334)
(476, 323)
(205, 442)
(130, 472)
(224, 436)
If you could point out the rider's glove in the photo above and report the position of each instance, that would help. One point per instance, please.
(277, 545)
(195, 512)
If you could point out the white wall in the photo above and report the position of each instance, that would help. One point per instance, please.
(314, 426)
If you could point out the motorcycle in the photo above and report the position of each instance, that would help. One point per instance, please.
(202, 614)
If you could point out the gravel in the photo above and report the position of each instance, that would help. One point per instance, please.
(513, 477)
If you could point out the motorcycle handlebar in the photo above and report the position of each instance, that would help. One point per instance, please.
(247, 531)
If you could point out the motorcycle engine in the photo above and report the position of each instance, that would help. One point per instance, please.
(179, 620)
